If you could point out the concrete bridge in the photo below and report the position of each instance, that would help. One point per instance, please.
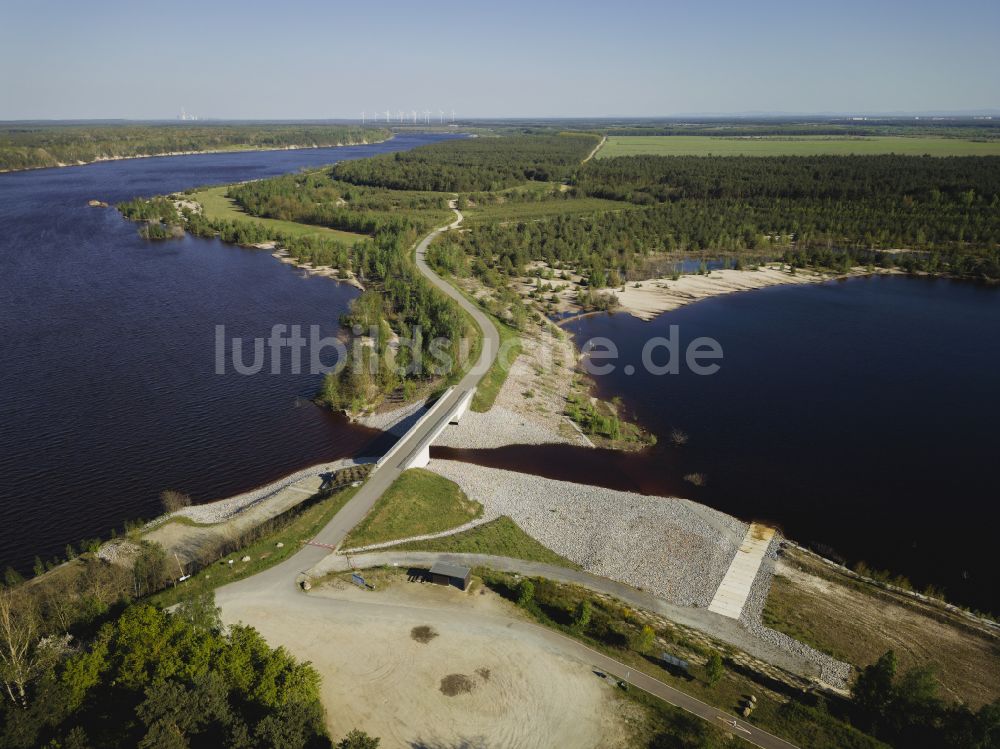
(413, 449)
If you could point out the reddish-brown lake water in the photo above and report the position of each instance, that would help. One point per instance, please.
(107, 387)
(861, 416)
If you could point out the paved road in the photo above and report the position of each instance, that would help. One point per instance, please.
(278, 583)
(285, 574)
(274, 588)
(715, 625)
(355, 510)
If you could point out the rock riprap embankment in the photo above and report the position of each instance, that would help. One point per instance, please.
(674, 548)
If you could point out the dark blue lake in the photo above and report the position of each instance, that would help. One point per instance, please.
(861, 416)
(107, 386)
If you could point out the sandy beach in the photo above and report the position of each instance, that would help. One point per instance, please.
(647, 299)
(326, 271)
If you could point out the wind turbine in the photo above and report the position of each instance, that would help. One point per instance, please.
(441, 113)
(362, 118)
(401, 114)
(414, 113)
(387, 117)
(453, 115)
(427, 117)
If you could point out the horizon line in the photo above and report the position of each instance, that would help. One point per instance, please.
(987, 112)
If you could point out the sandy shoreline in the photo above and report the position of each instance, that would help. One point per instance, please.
(651, 298)
(647, 299)
(324, 271)
(61, 165)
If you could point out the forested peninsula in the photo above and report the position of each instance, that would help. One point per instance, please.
(35, 146)
(535, 209)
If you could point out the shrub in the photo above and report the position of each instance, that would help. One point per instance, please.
(714, 668)
(643, 641)
(526, 593)
(173, 500)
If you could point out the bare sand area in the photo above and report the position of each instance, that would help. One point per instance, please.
(659, 295)
(326, 271)
(529, 409)
(420, 665)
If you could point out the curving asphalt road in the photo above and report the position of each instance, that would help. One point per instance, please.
(278, 584)
(567, 645)
(720, 627)
(284, 575)
(355, 510)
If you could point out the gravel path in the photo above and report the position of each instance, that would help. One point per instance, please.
(224, 509)
(425, 537)
(674, 548)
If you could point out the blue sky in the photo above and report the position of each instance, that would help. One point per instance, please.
(329, 59)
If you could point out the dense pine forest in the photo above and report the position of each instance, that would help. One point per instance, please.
(27, 146)
(531, 198)
(830, 210)
(486, 163)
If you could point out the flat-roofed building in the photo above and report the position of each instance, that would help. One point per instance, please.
(445, 573)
